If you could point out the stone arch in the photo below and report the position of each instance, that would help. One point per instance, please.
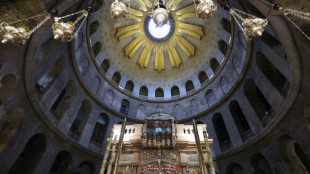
(64, 100)
(109, 97)
(143, 91)
(48, 78)
(93, 27)
(240, 120)
(214, 64)
(234, 168)
(105, 65)
(8, 84)
(203, 77)
(116, 77)
(83, 64)
(210, 97)
(97, 48)
(241, 39)
(8, 129)
(177, 111)
(257, 100)
(159, 92)
(100, 129)
(175, 91)
(221, 131)
(97, 84)
(30, 156)
(260, 164)
(194, 107)
(226, 24)
(61, 163)
(129, 86)
(80, 40)
(292, 155)
(80, 120)
(189, 85)
(275, 77)
(224, 83)
(86, 167)
(124, 109)
(223, 46)
(141, 111)
(236, 63)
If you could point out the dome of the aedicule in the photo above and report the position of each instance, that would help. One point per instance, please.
(154, 86)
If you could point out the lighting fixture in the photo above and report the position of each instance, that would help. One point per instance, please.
(205, 9)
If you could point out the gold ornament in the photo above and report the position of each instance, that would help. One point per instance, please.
(254, 27)
(206, 9)
(119, 10)
(15, 35)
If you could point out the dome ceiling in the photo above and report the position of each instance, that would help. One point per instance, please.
(168, 60)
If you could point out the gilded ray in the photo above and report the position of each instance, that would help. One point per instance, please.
(145, 56)
(159, 59)
(173, 4)
(174, 57)
(124, 32)
(193, 30)
(133, 46)
(142, 4)
(135, 14)
(187, 15)
(189, 9)
(187, 47)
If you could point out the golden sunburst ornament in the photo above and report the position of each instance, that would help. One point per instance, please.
(166, 37)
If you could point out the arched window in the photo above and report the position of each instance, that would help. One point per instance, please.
(223, 46)
(61, 163)
(189, 85)
(175, 91)
(64, 100)
(31, 155)
(257, 100)
(260, 164)
(293, 156)
(105, 65)
(221, 131)
(214, 64)
(8, 84)
(177, 111)
(210, 97)
(124, 107)
(143, 91)
(202, 76)
(226, 24)
(116, 77)
(48, 78)
(240, 120)
(234, 169)
(93, 27)
(97, 48)
(159, 92)
(129, 86)
(86, 167)
(80, 120)
(100, 129)
(274, 76)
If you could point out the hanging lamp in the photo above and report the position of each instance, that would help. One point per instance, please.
(119, 10)
(205, 9)
(19, 35)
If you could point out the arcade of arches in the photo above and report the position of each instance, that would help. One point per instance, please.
(60, 102)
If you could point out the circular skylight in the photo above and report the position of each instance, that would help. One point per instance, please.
(159, 32)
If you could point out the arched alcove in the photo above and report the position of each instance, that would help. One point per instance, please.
(30, 156)
(257, 100)
(175, 91)
(260, 164)
(226, 24)
(48, 78)
(194, 107)
(274, 44)
(129, 86)
(143, 91)
(93, 27)
(189, 85)
(61, 163)
(124, 107)
(8, 84)
(274, 76)
(86, 167)
(141, 111)
(234, 169)
(202, 76)
(100, 129)
(105, 65)
(223, 46)
(80, 120)
(214, 64)
(177, 111)
(109, 97)
(221, 132)
(240, 120)
(116, 77)
(159, 92)
(97, 48)
(210, 97)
